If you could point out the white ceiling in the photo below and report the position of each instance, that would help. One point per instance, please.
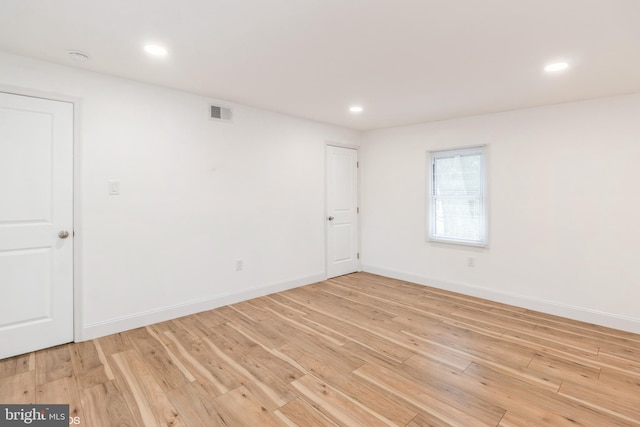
(404, 61)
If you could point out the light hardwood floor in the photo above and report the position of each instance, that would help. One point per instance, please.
(358, 350)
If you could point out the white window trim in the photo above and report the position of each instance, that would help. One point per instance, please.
(431, 156)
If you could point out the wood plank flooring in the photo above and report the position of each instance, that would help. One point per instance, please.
(357, 350)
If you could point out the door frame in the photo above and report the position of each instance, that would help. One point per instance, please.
(326, 203)
(77, 214)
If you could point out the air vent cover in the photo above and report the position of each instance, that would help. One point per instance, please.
(220, 113)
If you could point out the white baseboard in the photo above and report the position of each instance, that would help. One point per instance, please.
(582, 314)
(125, 323)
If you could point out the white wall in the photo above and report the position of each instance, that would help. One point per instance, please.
(196, 196)
(564, 196)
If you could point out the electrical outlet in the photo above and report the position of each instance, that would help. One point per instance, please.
(471, 261)
(239, 265)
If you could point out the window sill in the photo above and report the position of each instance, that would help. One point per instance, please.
(457, 242)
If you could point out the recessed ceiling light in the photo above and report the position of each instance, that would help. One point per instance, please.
(355, 109)
(76, 55)
(155, 50)
(556, 66)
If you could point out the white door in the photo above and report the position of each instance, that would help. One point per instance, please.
(36, 210)
(342, 211)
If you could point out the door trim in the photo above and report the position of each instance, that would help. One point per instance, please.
(326, 204)
(77, 214)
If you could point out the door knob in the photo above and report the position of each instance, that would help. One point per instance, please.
(330, 218)
(63, 234)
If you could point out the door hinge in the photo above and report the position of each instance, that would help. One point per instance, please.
(357, 210)
(358, 255)
(357, 164)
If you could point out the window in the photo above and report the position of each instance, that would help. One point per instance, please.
(457, 208)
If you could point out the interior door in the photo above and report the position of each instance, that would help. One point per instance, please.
(36, 223)
(342, 211)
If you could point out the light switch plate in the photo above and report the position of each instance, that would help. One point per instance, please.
(114, 188)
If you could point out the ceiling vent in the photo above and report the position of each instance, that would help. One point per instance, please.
(220, 113)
